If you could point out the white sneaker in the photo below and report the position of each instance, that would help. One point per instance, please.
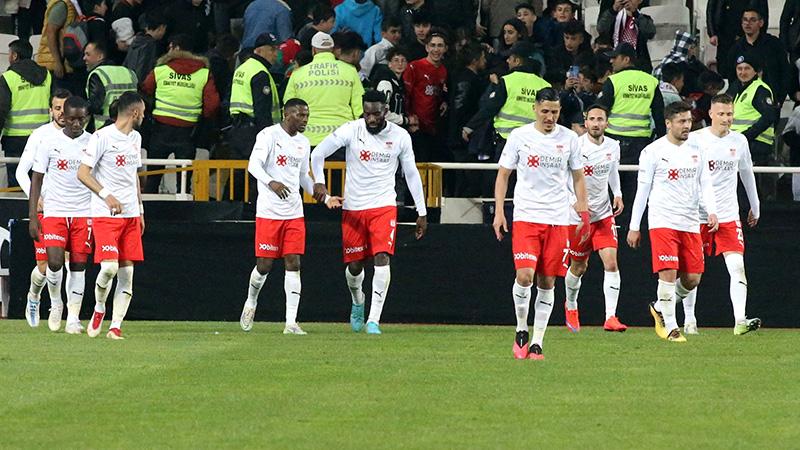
(32, 312)
(56, 311)
(73, 328)
(293, 328)
(690, 328)
(248, 314)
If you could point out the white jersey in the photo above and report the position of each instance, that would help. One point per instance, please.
(726, 157)
(29, 153)
(372, 162)
(280, 157)
(115, 158)
(543, 163)
(58, 158)
(676, 175)
(600, 170)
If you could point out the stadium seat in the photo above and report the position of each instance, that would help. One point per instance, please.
(4, 282)
(658, 50)
(35, 40)
(667, 20)
(5, 39)
(590, 16)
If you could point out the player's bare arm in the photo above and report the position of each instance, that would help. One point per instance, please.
(500, 188)
(34, 227)
(85, 176)
(581, 205)
(141, 204)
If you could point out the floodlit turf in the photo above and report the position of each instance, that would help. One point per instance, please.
(210, 385)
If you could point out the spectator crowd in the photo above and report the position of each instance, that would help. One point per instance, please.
(457, 74)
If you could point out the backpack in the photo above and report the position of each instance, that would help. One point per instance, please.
(76, 36)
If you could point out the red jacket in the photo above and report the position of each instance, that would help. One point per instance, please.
(184, 63)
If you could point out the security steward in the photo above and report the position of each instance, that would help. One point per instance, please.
(106, 82)
(25, 90)
(633, 98)
(183, 91)
(511, 101)
(754, 115)
(331, 88)
(254, 104)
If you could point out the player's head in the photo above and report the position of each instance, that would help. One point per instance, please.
(295, 115)
(596, 120)
(678, 116)
(548, 108)
(721, 112)
(57, 106)
(130, 106)
(374, 111)
(76, 113)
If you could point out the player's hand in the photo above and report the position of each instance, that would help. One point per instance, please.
(618, 206)
(113, 205)
(141, 221)
(35, 228)
(713, 40)
(320, 191)
(500, 225)
(752, 221)
(334, 202)
(713, 223)
(634, 238)
(40, 205)
(422, 227)
(280, 189)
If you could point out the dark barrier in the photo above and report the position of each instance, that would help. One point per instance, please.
(457, 274)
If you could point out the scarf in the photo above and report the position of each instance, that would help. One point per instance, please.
(625, 29)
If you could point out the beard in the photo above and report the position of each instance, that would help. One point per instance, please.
(377, 129)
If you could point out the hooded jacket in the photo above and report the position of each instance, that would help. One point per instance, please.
(30, 72)
(363, 18)
(142, 55)
(184, 63)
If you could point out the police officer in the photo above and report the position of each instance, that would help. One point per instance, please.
(106, 82)
(331, 88)
(754, 115)
(183, 91)
(25, 90)
(633, 98)
(511, 101)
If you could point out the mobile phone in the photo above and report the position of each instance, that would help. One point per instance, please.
(573, 72)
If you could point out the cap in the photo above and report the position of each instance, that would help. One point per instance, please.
(522, 49)
(749, 58)
(322, 41)
(266, 39)
(123, 30)
(623, 48)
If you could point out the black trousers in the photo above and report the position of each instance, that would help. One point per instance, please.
(13, 146)
(764, 155)
(241, 140)
(167, 139)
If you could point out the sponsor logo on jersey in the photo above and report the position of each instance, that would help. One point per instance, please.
(588, 171)
(40, 251)
(545, 161)
(54, 237)
(109, 248)
(67, 164)
(681, 173)
(578, 254)
(291, 161)
(722, 164)
(524, 256)
(373, 156)
(126, 160)
(667, 258)
(350, 250)
(268, 247)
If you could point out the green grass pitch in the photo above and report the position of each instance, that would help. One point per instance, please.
(210, 385)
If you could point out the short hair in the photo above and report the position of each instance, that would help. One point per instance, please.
(23, 49)
(347, 41)
(673, 109)
(182, 41)
(710, 78)
(420, 18)
(471, 52)
(395, 51)
(671, 72)
(128, 100)
(153, 20)
(573, 27)
(725, 99)
(88, 5)
(390, 22)
(321, 12)
(527, 6)
(76, 102)
(294, 103)
(755, 10)
(547, 94)
(303, 57)
(552, 5)
(598, 106)
(99, 46)
(371, 96)
(61, 93)
(603, 40)
(437, 32)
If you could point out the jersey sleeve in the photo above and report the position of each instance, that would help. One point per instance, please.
(339, 138)
(259, 157)
(510, 155)
(138, 145)
(748, 177)
(647, 167)
(411, 173)
(574, 161)
(93, 151)
(41, 158)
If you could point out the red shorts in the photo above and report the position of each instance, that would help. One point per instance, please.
(543, 248)
(728, 238)
(118, 239)
(74, 234)
(276, 238)
(679, 250)
(39, 248)
(368, 232)
(603, 234)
